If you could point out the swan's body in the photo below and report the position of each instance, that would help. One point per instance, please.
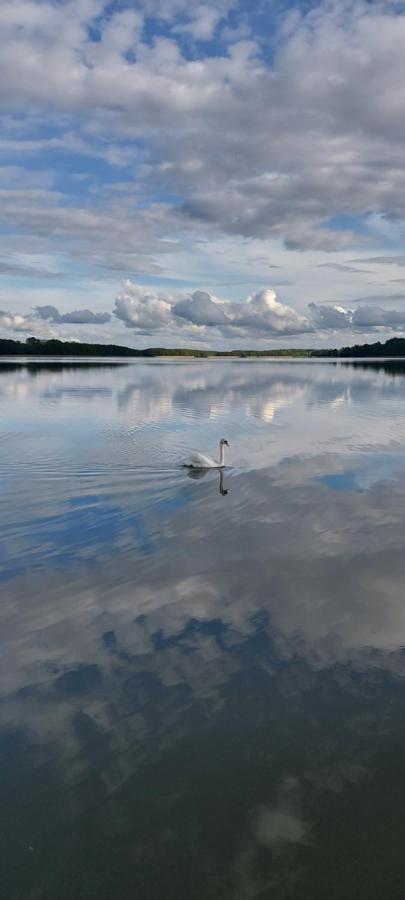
(200, 461)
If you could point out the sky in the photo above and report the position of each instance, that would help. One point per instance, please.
(222, 175)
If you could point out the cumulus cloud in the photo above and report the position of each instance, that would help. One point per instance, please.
(76, 317)
(374, 317)
(200, 309)
(259, 315)
(335, 318)
(141, 309)
(262, 312)
(330, 317)
(13, 322)
(202, 317)
(38, 321)
(202, 24)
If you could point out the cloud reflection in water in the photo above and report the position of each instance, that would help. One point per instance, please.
(204, 697)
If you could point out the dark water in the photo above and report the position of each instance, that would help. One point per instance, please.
(202, 685)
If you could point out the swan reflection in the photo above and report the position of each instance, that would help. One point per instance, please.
(196, 474)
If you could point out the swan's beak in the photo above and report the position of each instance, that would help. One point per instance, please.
(226, 443)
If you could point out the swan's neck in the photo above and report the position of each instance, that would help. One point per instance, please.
(222, 454)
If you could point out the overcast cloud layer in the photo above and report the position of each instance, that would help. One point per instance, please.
(238, 166)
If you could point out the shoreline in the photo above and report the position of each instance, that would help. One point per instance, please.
(31, 358)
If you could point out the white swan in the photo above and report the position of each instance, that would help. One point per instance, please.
(199, 461)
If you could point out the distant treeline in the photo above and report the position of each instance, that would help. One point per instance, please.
(34, 347)
(392, 347)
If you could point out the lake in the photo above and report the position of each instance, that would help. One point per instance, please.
(202, 688)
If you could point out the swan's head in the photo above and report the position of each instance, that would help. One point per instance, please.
(223, 442)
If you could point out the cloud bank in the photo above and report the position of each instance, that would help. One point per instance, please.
(173, 320)
(260, 315)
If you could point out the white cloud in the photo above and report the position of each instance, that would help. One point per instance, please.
(262, 312)
(374, 316)
(10, 322)
(76, 317)
(330, 317)
(200, 309)
(204, 319)
(38, 321)
(335, 318)
(261, 315)
(202, 25)
(14, 325)
(142, 309)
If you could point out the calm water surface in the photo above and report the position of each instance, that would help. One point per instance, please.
(202, 688)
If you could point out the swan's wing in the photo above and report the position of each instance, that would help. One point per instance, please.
(199, 461)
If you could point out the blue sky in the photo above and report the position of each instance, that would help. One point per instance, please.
(222, 175)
